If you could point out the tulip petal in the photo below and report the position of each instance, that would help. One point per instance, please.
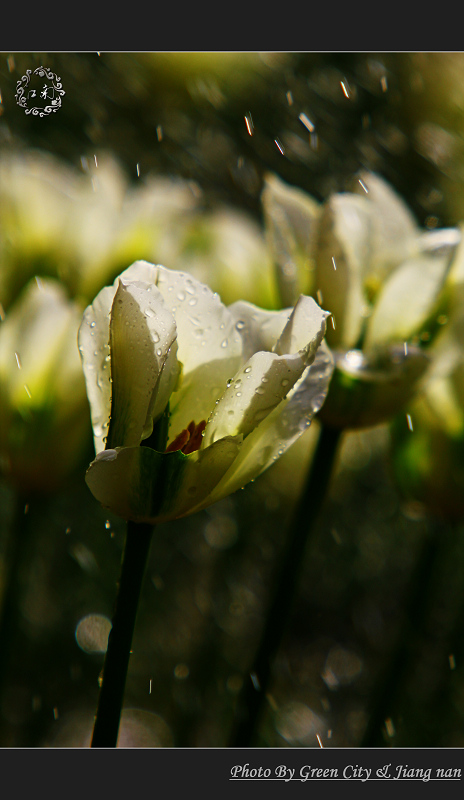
(266, 378)
(157, 332)
(290, 217)
(142, 337)
(210, 347)
(140, 484)
(94, 347)
(342, 254)
(406, 299)
(32, 336)
(304, 331)
(277, 432)
(259, 328)
(256, 389)
(394, 228)
(286, 331)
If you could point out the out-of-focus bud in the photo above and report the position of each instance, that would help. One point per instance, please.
(82, 227)
(428, 444)
(44, 421)
(226, 249)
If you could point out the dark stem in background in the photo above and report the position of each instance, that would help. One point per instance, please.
(251, 700)
(16, 554)
(418, 604)
(137, 546)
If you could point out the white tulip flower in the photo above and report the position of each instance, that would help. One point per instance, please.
(214, 394)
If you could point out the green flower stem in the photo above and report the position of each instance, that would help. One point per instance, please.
(12, 585)
(253, 694)
(418, 604)
(137, 546)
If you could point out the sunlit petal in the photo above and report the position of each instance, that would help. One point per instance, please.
(94, 347)
(343, 251)
(142, 335)
(406, 299)
(394, 228)
(274, 435)
(209, 345)
(267, 377)
(257, 388)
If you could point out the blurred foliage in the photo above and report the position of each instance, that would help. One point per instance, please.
(381, 593)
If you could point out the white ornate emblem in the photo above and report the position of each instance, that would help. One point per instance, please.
(39, 92)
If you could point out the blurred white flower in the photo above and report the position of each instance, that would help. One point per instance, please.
(382, 279)
(44, 429)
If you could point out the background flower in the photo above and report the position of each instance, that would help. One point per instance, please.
(429, 465)
(44, 424)
(381, 277)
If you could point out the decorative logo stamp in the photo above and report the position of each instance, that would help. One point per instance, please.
(39, 92)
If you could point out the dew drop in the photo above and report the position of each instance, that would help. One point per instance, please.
(240, 325)
(247, 369)
(225, 343)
